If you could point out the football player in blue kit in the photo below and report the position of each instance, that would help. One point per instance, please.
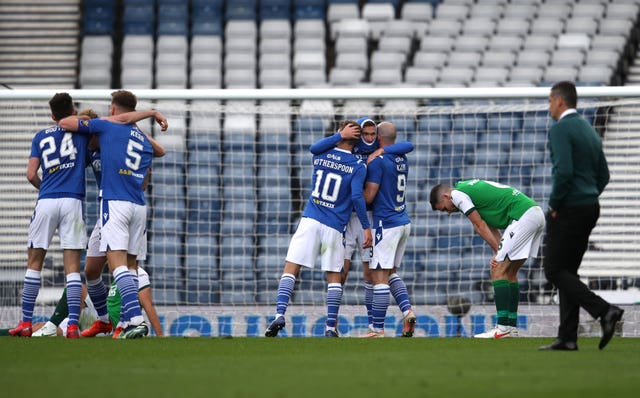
(126, 155)
(337, 189)
(367, 149)
(95, 259)
(62, 157)
(385, 189)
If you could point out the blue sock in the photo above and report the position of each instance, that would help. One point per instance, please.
(98, 293)
(368, 300)
(334, 296)
(399, 292)
(74, 296)
(29, 293)
(285, 290)
(380, 304)
(129, 294)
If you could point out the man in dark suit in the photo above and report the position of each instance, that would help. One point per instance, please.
(579, 175)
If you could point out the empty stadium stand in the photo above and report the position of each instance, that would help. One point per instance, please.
(139, 44)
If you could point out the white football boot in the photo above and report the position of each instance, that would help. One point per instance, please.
(48, 330)
(498, 332)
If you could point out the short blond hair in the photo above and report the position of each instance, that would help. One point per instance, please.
(89, 112)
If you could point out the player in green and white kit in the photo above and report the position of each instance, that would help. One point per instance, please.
(492, 207)
(144, 295)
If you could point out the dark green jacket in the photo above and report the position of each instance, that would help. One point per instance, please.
(580, 170)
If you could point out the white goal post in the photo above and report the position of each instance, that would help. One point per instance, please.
(226, 198)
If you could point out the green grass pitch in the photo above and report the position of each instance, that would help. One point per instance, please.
(316, 367)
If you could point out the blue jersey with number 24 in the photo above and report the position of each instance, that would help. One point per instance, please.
(63, 158)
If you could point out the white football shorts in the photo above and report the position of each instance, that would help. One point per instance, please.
(312, 238)
(522, 238)
(354, 238)
(63, 214)
(389, 246)
(93, 249)
(123, 226)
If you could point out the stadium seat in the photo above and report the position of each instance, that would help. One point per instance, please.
(595, 74)
(447, 11)
(202, 292)
(558, 73)
(344, 77)
(275, 29)
(206, 44)
(274, 246)
(377, 14)
(444, 28)
(275, 9)
(201, 27)
(464, 59)
(240, 10)
(309, 9)
(491, 76)
(421, 76)
(165, 253)
(533, 58)
(456, 75)
(349, 60)
(237, 267)
(340, 11)
(168, 291)
(308, 28)
(567, 57)
(471, 43)
(526, 76)
(479, 26)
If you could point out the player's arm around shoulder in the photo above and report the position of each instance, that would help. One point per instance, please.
(70, 123)
(136, 116)
(325, 144)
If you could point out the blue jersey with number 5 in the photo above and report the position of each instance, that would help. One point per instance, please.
(337, 185)
(63, 158)
(126, 157)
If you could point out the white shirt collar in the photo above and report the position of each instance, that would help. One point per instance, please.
(568, 112)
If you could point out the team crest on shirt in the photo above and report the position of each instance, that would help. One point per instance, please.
(85, 123)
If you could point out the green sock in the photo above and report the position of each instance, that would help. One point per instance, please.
(61, 311)
(4, 332)
(514, 299)
(501, 296)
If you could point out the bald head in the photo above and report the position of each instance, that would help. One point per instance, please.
(386, 133)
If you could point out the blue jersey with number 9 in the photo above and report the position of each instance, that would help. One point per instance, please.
(126, 157)
(63, 158)
(389, 206)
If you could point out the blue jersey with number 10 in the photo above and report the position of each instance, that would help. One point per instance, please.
(63, 158)
(126, 157)
(337, 185)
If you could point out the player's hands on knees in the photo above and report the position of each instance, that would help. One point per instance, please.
(368, 239)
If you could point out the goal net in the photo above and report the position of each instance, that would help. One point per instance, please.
(226, 198)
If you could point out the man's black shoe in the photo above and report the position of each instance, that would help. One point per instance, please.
(559, 345)
(608, 322)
